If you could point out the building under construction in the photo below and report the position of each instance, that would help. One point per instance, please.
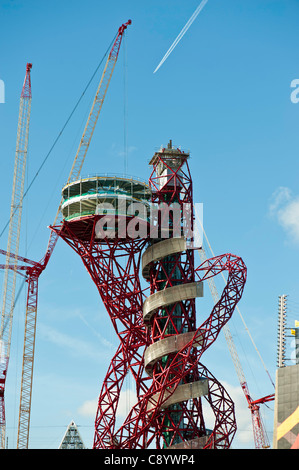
(128, 232)
(117, 226)
(286, 412)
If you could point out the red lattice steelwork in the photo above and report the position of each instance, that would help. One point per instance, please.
(31, 271)
(160, 343)
(113, 265)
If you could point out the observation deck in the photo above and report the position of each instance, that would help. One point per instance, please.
(115, 200)
(103, 195)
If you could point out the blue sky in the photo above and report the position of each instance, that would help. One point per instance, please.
(225, 94)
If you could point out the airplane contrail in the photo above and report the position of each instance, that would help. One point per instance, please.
(184, 30)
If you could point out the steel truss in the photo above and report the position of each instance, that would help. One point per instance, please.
(31, 271)
(114, 268)
(160, 344)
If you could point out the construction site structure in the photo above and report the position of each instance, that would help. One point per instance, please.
(173, 357)
(281, 336)
(72, 439)
(14, 229)
(29, 270)
(34, 273)
(32, 278)
(105, 195)
(99, 214)
(295, 333)
(91, 123)
(109, 222)
(158, 334)
(261, 440)
(286, 409)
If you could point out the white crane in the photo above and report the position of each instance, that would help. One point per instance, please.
(9, 285)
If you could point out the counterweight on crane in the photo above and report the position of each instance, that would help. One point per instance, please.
(34, 272)
(9, 285)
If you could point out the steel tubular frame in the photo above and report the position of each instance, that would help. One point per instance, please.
(260, 436)
(28, 356)
(160, 344)
(114, 267)
(182, 418)
(33, 273)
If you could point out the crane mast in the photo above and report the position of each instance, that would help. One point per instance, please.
(34, 272)
(90, 124)
(9, 285)
(95, 109)
(97, 105)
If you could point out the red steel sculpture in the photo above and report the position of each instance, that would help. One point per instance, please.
(160, 343)
(96, 225)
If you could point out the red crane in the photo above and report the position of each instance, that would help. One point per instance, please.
(32, 270)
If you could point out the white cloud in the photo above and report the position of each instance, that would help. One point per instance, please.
(75, 346)
(118, 151)
(284, 207)
(244, 434)
(103, 340)
(88, 408)
(281, 196)
(127, 400)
